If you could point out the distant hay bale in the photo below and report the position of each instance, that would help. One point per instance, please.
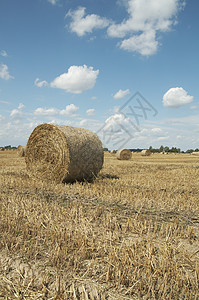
(63, 153)
(145, 152)
(21, 150)
(123, 154)
(113, 152)
(195, 153)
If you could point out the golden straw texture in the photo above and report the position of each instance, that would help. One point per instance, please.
(63, 153)
(124, 154)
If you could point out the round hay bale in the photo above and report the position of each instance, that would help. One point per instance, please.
(145, 152)
(124, 154)
(196, 153)
(21, 150)
(113, 152)
(63, 153)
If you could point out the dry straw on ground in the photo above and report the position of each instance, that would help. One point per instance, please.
(124, 154)
(131, 234)
(145, 152)
(63, 153)
(21, 150)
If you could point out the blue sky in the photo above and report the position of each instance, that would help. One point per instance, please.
(81, 63)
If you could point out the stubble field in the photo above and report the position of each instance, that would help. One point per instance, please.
(133, 233)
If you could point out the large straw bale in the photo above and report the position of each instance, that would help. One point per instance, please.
(63, 153)
(21, 150)
(113, 152)
(195, 153)
(124, 154)
(145, 152)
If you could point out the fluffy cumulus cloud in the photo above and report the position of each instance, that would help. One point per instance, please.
(4, 74)
(70, 110)
(82, 24)
(145, 15)
(76, 80)
(140, 29)
(90, 112)
(40, 111)
(17, 113)
(121, 94)
(146, 18)
(145, 43)
(115, 122)
(176, 97)
(39, 83)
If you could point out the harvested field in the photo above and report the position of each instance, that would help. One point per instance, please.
(133, 233)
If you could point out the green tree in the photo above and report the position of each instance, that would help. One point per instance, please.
(161, 149)
(166, 149)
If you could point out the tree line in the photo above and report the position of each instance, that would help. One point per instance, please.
(171, 150)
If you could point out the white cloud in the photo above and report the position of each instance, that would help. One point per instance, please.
(145, 15)
(115, 122)
(70, 110)
(156, 130)
(40, 83)
(83, 122)
(90, 112)
(21, 105)
(76, 80)
(146, 19)
(121, 94)
(162, 138)
(52, 111)
(176, 97)
(2, 118)
(194, 107)
(82, 24)
(3, 53)
(17, 113)
(53, 2)
(40, 111)
(4, 102)
(4, 74)
(140, 29)
(145, 43)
